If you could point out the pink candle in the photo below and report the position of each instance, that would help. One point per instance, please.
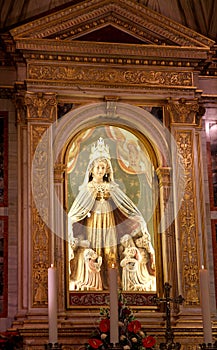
(113, 290)
(52, 304)
(205, 305)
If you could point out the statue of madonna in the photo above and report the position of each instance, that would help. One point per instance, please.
(101, 215)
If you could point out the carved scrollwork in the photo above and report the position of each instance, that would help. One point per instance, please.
(187, 222)
(108, 75)
(40, 259)
(40, 231)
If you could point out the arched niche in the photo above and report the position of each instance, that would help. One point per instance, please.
(158, 145)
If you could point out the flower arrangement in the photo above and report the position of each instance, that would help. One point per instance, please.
(131, 335)
(10, 340)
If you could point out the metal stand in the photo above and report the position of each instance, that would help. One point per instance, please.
(169, 335)
(209, 346)
(55, 346)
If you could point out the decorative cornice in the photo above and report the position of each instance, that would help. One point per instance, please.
(60, 37)
(50, 58)
(76, 48)
(132, 15)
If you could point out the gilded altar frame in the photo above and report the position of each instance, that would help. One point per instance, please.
(119, 83)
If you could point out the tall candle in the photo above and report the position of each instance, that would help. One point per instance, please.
(205, 305)
(52, 304)
(113, 290)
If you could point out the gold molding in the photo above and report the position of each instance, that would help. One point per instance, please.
(126, 59)
(121, 50)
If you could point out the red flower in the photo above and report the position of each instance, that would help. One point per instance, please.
(149, 341)
(95, 343)
(134, 326)
(126, 312)
(104, 325)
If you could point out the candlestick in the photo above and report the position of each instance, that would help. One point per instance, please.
(205, 305)
(52, 304)
(113, 290)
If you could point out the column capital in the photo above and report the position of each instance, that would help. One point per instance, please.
(59, 170)
(183, 111)
(164, 176)
(35, 106)
(41, 106)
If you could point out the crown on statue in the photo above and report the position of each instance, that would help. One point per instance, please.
(99, 150)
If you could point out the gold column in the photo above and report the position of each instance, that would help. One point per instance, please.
(184, 120)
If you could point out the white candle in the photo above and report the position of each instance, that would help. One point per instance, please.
(205, 305)
(113, 290)
(52, 304)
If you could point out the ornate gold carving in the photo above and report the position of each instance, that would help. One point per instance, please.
(41, 106)
(183, 111)
(37, 132)
(108, 75)
(187, 222)
(40, 232)
(40, 171)
(40, 243)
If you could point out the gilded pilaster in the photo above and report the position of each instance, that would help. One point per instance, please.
(40, 112)
(39, 230)
(183, 115)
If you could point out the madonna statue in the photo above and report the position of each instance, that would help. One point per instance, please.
(105, 226)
